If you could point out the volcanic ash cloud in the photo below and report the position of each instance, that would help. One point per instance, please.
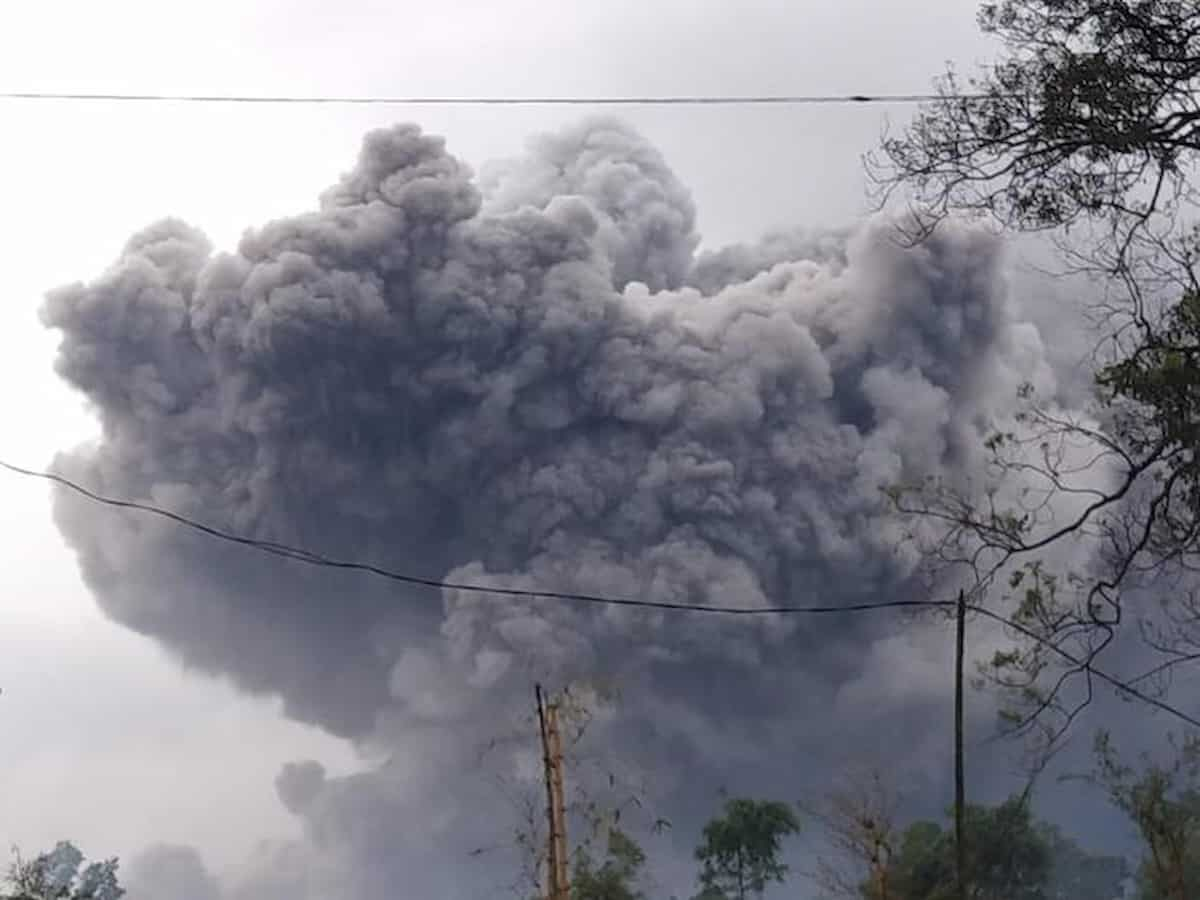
(531, 380)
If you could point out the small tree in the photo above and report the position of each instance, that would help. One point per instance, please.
(859, 818)
(1086, 127)
(924, 867)
(740, 850)
(1164, 804)
(616, 878)
(599, 798)
(57, 876)
(1009, 857)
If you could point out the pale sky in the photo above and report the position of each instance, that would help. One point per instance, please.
(103, 738)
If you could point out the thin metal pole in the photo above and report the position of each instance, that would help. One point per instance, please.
(960, 790)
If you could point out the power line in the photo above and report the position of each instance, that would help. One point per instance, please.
(315, 559)
(1084, 665)
(645, 100)
(308, 557)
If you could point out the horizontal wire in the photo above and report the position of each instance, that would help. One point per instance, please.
(308, 557)
(645, 100)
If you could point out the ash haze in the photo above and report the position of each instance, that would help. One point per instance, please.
(662, 356)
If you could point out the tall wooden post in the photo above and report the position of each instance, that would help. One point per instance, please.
(558, 833)
(558, 884)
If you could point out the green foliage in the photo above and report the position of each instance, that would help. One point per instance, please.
(924, 867)
(1006, 859)
(1152, 885)
(1088, 117)
(1086, 124)
(1164, 803)
(1090, 101)
(740, 850)
(1009, 856)
(616, 877)
(1161, 379)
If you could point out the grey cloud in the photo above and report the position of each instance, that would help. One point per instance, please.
(299, 783)
(530, 381)
(613, 185)
(170, 872)
(714, 270)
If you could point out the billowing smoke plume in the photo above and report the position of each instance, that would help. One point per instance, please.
(533, 380)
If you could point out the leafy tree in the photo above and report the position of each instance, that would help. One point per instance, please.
(924, 867)
(616, 878)
(601, 794)
(1164, 803)
(1010, 856)
(740, 850)
(1091, 103)
(1007, 858)
(1158, 387)
(1150, 884)
(859, 818)
(1088, 126)
(57, 875)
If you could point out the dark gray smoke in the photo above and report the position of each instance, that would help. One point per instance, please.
(532, 381)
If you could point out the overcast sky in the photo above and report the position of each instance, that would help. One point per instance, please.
(105, 738)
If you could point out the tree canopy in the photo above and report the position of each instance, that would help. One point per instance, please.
(739, 851)
(1010, 856)
(1006, 857)
(617, 875)
(1087, 126)
(1092, 112)
(60, 875)
(1163, 802)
